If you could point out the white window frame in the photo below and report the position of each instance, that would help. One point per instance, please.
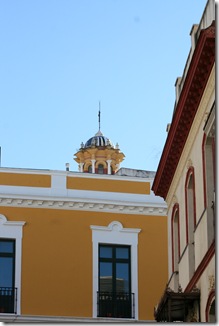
(14, 230)
(115, 233)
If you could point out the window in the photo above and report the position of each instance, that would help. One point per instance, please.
(190, 205)
(126, 260)
(100, 169)
(190, 218)
(7, 273)
(209, 184)
(212, 317)
(114, 295)
(11, 233)
(209, 172)
(90, 169)
(175, 238)
(210, 308)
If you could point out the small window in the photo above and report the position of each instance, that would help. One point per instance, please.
(100, 169)
(90, 169)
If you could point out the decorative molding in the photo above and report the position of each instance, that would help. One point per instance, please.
(114, 226)
(5, 222)
(80, 204)
(192, 135)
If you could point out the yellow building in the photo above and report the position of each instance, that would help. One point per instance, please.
(80, 246)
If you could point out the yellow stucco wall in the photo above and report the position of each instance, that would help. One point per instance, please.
(108, 185)
(57, 259)
(25, 179)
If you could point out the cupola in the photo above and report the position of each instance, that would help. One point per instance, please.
(99, 155)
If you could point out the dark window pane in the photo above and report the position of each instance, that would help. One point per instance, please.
(6, 272)
(6, 246)
(105, 252)
(122, 277)
(122, 253)
(100, 168)
(114, 298)
(105, 277)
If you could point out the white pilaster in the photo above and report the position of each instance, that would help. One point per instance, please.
(81, 167)
(93, 165)
(108, 166)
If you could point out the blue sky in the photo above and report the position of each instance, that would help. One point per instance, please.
(59, 58)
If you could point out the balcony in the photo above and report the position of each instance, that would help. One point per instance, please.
(115, 305)
(8, 300)
(175, 306)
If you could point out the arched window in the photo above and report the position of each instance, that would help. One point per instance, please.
(208, 152)
(100, 169)
(175, 238)
(210, 308)
(190, 217)
(90, 169)
(211, 315)
(190, 205)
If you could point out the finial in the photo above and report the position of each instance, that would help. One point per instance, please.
(99, 116)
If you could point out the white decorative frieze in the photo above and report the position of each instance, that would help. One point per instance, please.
(81, 204)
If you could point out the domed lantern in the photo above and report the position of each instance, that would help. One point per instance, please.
(99, 155)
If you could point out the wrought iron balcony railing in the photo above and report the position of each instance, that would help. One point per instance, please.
(8, 300)
(115, 305)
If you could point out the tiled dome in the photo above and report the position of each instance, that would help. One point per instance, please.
(98, 140)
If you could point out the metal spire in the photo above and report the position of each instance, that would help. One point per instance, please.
(99, 116)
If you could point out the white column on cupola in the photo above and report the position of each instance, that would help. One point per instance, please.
(108, 166)
(81, 167)
(93, 165)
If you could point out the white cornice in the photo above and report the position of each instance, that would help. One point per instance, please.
(80, 204)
